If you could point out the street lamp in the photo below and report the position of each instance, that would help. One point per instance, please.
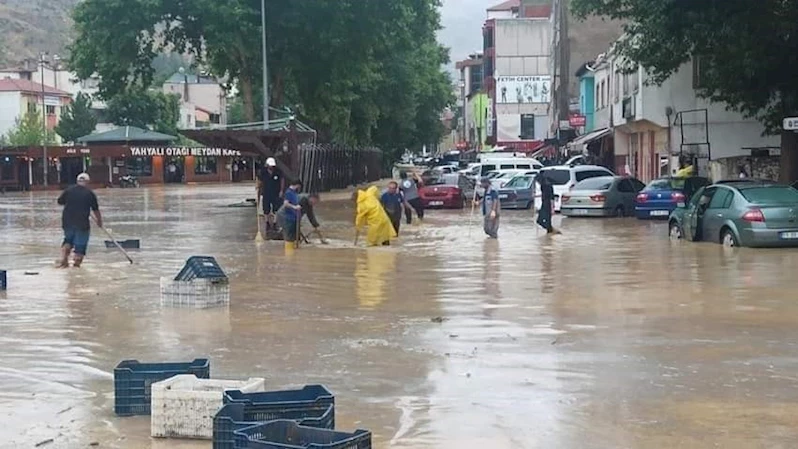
(42, 60)
(265, 66)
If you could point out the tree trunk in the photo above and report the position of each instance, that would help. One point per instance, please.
(789, 156)
(278, 91)
(247, 98)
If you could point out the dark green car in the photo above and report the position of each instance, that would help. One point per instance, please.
(755, 214)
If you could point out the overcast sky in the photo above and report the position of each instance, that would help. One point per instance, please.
(462, 26)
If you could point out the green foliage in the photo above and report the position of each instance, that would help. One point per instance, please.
(77, 119)
(746, 48)
(360, 71)
(146, 109)
(28, 131)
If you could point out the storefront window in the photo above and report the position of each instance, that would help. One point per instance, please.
(204, 165)
(138, 166)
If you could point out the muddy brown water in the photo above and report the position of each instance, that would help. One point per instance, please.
(608, 336)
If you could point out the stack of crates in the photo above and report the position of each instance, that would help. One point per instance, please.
(133, 382)
(285, 434)
(311, 406)
(201, 284)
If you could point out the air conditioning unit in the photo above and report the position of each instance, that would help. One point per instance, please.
(629, 107)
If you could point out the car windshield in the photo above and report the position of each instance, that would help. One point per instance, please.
(665, 184)
(492, 174)
(771, 195)
(519, 182)
(558, 177)
(505, 175)
(600, 183)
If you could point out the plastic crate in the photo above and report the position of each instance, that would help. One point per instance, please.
(133, 381)
(197, 293)
(201, 267)
(285, 434)
(232, 417)
(126, 244)
(183, 406)
(3, 280)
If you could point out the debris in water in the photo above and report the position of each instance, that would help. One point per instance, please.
(453, 335)
(31, 273)
(64, 410)
(42, 443)
(94, 443)
(438, 319)
(554, 342)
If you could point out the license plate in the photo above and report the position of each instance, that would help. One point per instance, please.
(659, 213)
(789, 235)
(501, 197)
(436, 203)
(579, 211)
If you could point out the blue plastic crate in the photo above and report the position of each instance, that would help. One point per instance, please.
(285, 434)
(132, 381)
(201, 267)
(3, 280)
(232, 417)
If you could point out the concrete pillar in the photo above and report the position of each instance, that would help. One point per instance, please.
(30, 172)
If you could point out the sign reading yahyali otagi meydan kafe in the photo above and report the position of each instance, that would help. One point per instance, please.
(183, 151)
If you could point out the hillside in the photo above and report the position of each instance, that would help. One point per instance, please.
(29, 27)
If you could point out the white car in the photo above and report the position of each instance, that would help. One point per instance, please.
(502, 178)
(564, 178)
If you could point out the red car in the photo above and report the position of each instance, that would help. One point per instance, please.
(441, 197)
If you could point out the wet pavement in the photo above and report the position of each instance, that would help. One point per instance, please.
(608, 336)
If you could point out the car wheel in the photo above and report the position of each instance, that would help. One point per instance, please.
(728, 239)
(675, 231)
(619, 212)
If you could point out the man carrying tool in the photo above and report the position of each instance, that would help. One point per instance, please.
(490, 209)
(78, 201)
(271, 186)
(306, 202)
(290, 213)
(409, 188)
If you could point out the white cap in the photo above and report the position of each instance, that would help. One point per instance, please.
(271, 162)
(84, 177)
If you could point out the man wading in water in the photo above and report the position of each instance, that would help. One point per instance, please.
(546, 204)
(78, 202)
(490, 209)
(409, 189)
(271, 186)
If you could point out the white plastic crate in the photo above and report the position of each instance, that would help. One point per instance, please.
(183, 406)
(198, 293)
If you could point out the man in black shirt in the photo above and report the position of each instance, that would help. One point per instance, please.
(78, 202)
(271, 186)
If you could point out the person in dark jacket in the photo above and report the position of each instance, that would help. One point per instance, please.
(409, 188)
(547, 203)
(393, 203)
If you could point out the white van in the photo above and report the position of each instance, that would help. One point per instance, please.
(565, 177)
(503, 164)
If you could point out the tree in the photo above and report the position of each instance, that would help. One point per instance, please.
(146, 109)
(28, 131)
(77, 119)
(334, 62)
(746, 49)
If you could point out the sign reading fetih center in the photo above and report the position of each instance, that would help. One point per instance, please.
(523, 89)
(183, 151)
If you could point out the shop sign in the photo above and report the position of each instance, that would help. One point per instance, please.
(78, 151)
(577, 120)
(183, 151)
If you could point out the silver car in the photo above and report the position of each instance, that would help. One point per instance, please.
(605, 196)
(519, 193)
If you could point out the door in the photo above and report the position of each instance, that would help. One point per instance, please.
(691, 215)
(717, 212)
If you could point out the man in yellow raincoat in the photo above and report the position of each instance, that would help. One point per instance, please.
(371, 213)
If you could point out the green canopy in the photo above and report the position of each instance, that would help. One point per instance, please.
(127, 134)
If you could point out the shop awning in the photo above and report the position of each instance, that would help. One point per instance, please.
(126, 134)
(589, 137)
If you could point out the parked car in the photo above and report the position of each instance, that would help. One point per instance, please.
(795, 185)
(603, 196)
(518, 193)
(498, 181)
(739, 214)
(564, 178)
(661, 196)
(441, 196)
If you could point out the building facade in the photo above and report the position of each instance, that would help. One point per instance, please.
(203, 101)
(517, 70)
(471, 85)
(20, 96)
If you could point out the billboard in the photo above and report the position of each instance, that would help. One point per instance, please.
(523, 89)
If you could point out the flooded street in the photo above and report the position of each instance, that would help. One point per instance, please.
(608, 336)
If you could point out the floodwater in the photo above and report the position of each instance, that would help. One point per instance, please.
(608, 336)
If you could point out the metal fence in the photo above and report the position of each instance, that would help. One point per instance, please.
(324, 167)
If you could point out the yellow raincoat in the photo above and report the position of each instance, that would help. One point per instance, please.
(685, 172)
(370, 213)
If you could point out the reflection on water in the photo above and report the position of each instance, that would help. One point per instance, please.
(608, 336)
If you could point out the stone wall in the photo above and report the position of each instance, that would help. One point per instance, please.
(757, 167)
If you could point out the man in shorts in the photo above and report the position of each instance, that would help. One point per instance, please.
(271, 186)
(78, 201)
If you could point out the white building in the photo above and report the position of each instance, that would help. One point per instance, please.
(20, 96)
(203, 100)
(517, 68)
(655, 125)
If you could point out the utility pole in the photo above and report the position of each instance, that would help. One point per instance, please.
(265, 67)
(44, 122)
(563, 98)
